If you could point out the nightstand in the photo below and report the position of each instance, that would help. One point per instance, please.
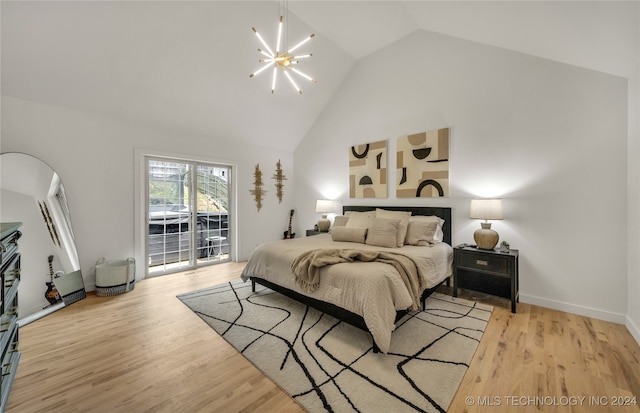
(488, 271)
(311, 232)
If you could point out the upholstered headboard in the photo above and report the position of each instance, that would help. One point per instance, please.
(442, 212)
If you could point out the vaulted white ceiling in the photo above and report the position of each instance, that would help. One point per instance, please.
(599, 35)
(185, 65)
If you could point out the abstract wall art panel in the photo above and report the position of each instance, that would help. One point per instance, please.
(368, 170)
(257, 191)
(422, 162)
(280, 177)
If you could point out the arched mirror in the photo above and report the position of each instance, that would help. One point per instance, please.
(33, 193)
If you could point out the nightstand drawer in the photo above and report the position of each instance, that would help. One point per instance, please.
(485, 262)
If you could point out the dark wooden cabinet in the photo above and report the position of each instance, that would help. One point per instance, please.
(10, 279)
(488, 271)
(311, 232)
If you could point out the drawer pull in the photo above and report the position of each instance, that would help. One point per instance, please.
(482, 262)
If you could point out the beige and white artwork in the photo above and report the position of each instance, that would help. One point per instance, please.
(422, 162)
(368, 170)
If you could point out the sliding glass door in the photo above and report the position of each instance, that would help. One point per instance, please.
(187, 207)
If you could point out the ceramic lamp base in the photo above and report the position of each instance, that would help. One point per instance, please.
(324, 224)
(485, 237)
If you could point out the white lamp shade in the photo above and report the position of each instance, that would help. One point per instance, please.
(486, 209)
(324, 206)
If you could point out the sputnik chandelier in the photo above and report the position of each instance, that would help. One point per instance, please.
(282, 61)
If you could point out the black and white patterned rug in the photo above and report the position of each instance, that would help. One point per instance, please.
(328, 365)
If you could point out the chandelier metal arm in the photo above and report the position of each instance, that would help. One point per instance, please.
(300, 44)
(263, 68)
(265, 53)
(263, 42)
(293, 69)
(292, 82)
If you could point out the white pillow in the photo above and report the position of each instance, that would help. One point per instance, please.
(340, 221)
(360, 219)
(403, 216)
(421, 232)
(439, 235)
(342, 233)
(383, 232)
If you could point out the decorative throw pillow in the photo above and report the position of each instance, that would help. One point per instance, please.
(403, 216)
(439, 235)
(383, 232)
(342, 233)
(340, 221)
(421, 232)
(360, 219)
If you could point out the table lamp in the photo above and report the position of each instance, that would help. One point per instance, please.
(486, 209)
(324, 206)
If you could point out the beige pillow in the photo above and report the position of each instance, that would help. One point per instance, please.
(439, 235)
(340, 221)
(383, 232)
(403, 216)
(342, 233)
(360, 219)
(421, 232)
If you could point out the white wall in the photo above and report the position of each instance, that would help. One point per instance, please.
(94, 157)
(633, 236)
(548, 138)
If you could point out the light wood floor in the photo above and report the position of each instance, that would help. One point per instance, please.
(144, 351)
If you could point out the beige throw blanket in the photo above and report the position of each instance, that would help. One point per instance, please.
(306, 268)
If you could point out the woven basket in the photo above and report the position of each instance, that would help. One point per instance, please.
(115, 277)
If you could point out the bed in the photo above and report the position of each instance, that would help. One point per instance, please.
(369, 295)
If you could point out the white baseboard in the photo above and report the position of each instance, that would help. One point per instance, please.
(39, 314)
(633, 329)
(617, 318)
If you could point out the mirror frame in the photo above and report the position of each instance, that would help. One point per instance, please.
(28, 176)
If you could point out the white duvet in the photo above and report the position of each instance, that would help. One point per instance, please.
(373, 290)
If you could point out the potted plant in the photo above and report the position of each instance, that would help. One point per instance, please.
(504, 246)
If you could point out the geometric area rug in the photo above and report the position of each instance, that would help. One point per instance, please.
(329, 366)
